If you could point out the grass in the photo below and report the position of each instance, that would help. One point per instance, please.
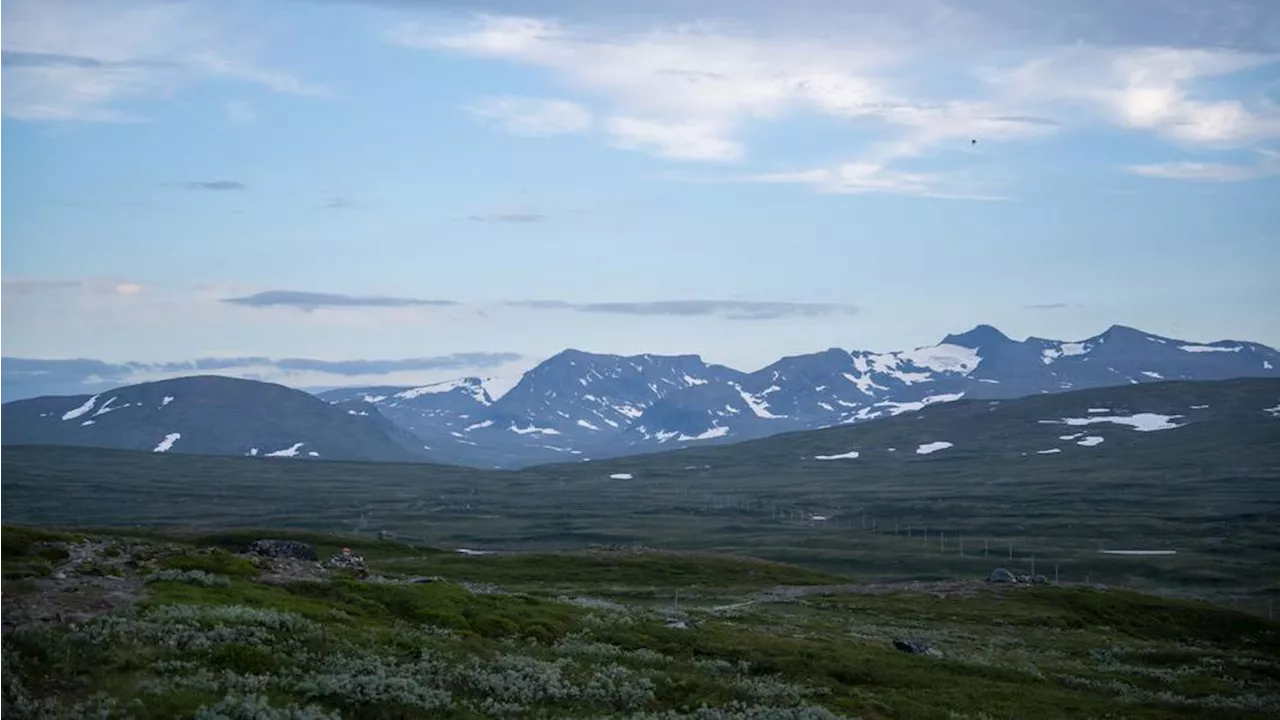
(540, 646)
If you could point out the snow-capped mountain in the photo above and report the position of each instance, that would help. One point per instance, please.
(210, 415)
(579, 405)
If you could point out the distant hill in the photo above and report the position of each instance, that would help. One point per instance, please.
(578, 405)
(1221, 424)
(210, 415)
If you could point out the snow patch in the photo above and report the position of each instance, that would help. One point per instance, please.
(932, 447)
(1142, 422)
(477, 426)
(167, 442)
(1209, 348)
(74, 413)
(1069, 437)
(1090, 441)
(533, 429)
(373, 398)
(1155, 375)
(944, 358)
(758, 406)
(896, 408)
(843, 456)
(106, 407)
(1199, 407)
(1099, 410)
(166, 400)
(1048, 355)
(88, 422)
(587, 425)
(466, 551)
(691, 381)
(621, 476)
(291, 451)
(313, 453)
(1048, 452)
(1273, 411)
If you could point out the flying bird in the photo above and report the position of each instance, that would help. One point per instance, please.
(973, 142)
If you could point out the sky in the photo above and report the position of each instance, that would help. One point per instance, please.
(336, 192)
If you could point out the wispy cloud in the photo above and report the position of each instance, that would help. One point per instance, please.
(688, 90)
(31, 377)
(338, 203)
(216, 185)
(25, 287)
(87, 60)
(1047, 306)
(730, 309)
(1211, 172)
(532, 117)
(308, 301)
(509, 217)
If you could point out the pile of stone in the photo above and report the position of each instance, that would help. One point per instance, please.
(345, 560)
(1002, 575)
(282, 549)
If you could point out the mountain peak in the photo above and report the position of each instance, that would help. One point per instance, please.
(979, 337)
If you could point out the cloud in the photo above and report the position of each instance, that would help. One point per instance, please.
(1210, 172)
(212, 185)
(1046, 306)
(87, 60)
(683, 88)
(308, 301)
(533, 117)
(509, 217)
(338, 203)
(32, 377)
(730, 309)
(19, 287)
(1155, 89)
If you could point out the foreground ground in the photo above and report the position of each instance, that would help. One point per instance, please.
(148, 626)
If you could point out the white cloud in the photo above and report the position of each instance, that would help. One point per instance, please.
(1210, 172)
(533, 117)
(687, 91)
(82, 60)
(674, 140)
(1152, 89)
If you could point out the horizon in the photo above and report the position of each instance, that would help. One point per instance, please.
(43, 377)
(389, 192)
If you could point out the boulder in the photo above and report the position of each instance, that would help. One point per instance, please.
(283, 549)
(1001, 575)
(917, 647)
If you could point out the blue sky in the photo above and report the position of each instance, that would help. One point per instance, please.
(737, 180)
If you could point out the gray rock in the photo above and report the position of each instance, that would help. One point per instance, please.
(917, 647)
(1039, 579)
(1001, 575)
(283, 549)
(345, 561)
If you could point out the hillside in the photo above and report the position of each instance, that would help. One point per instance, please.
(578, 405)
(209, 415)
(1207, 489)
(162, 626)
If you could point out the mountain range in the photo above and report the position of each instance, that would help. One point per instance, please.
(576, 405)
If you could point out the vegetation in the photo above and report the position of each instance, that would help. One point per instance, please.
(602, 635)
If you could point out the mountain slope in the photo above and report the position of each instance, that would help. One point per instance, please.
(210, 415)
(580, 405)
(1227, 423)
